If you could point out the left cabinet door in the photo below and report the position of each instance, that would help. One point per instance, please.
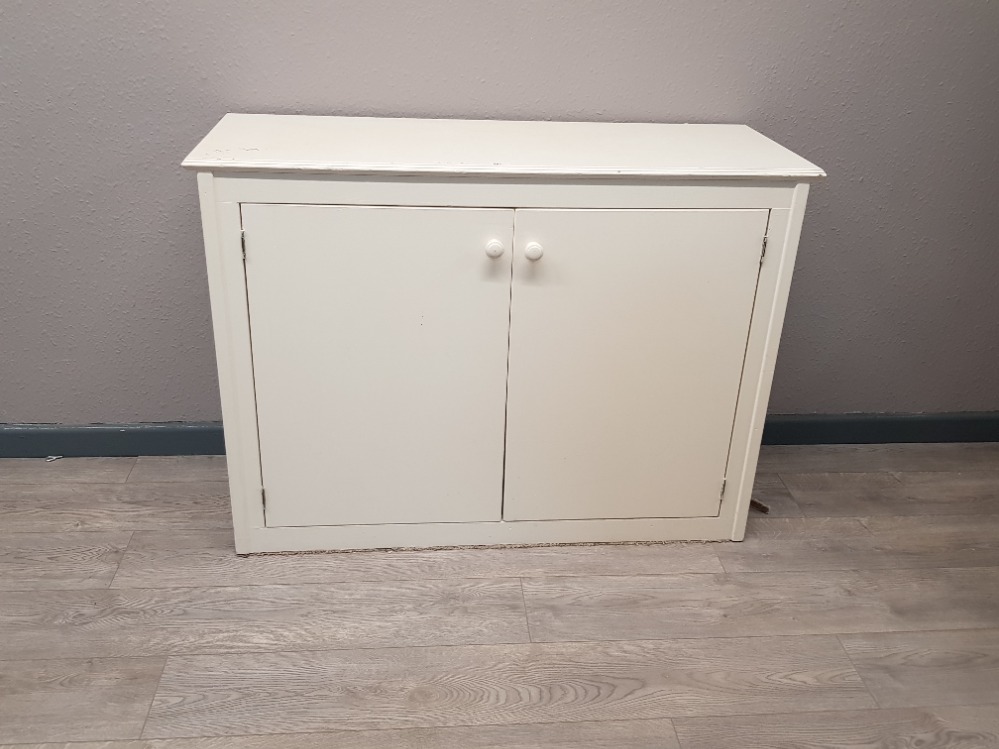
(379, 340)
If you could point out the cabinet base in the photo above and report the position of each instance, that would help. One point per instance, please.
(516, 533)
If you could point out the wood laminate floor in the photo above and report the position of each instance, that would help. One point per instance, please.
(862, 612)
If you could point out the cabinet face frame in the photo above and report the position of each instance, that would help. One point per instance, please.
(221, 197)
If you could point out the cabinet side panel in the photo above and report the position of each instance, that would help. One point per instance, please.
(761, 357)
(226, 283)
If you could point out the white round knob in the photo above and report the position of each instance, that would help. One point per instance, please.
(495, 249)
(533, 251)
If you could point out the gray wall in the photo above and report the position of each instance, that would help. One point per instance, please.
(103, 297)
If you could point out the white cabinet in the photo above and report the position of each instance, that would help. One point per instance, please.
(435, 332)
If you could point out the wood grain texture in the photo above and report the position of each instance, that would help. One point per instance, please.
(188, 558)
(955, 456)
(406, 688)
(50, 624)
(56, 508)
(921, 626)
(922, 668)
(161, 468)
(30, 561)
(770, 490)
(611, 734)
(926, 728)
(926, 599)
(800, 544)
(937, 541)
(65, 470)
(601, 608)
(920, 494)
(803, 544)
(75, 700)
(607, 608)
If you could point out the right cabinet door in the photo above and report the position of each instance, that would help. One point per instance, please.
(627, 341)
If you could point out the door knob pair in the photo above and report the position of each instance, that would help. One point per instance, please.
(533, 251)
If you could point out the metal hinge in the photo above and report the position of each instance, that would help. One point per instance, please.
(724, 482)
(242, 241)
(762, 255)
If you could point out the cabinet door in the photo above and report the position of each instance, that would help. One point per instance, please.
(627, 341)
(379, 341)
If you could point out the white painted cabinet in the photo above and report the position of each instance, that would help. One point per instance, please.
(436, 332)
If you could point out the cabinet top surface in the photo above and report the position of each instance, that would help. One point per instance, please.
(370, 145)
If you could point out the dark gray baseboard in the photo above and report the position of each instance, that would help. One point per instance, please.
(111, 440)
(873, 429)
(205, 438)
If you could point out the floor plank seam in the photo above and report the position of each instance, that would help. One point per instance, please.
(117, 569)
(527, 611)
(387, 729)
(152, 700)
(214, 653)
(761, 572)
(132, 468)
(505, 579)
(805, 713)
(721, 562)
(810, 570)
(902, 567)
(724, 571)
(683, 638)
(477, 645)
(866, 527)
(874, 697)
(671, 719)
(371, 581)
(938, 706)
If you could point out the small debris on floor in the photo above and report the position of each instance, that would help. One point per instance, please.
(755, 504)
